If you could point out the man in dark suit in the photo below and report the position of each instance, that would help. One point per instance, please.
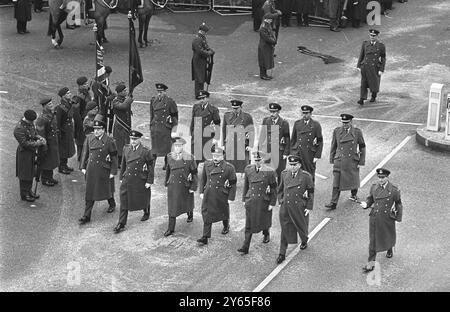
(201, 54)
(64, 119)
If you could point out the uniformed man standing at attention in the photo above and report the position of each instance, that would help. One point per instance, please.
(136, 178)
(46, 127)
(29, 141)
(296, 198)
(99, 165)
(181, 182)
(238, 134)
(122, 118)
(79, 112)
(64, 120)
(274, 138)
(200, 58)
(205, 127)
(347, 154)
(307, 140)
(260, 196)
(163, 119)
(217, 190)
(371, 62)
(387, 208)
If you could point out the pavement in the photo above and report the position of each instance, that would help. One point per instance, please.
(44, 249)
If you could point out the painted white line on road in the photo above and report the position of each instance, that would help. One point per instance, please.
(5, 92)
(280, 267)
(366, 119)
(320, 176)
(241, 94)
(385, 160)
(181, 105)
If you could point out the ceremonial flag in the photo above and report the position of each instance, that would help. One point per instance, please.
(100, 74)
(135, 69)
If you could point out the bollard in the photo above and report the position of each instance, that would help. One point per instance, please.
(434, 107)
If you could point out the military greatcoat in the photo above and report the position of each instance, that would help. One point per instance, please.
(205, 125)
(293, 205)
(122, 121)
(238, 132)
(266, 47)
(64, 120)
(382, 233)
(307, 142)
(26, 136)
(201, 52)
(181, 177)
(216, 192)
(163, 117)
(260, 191)
(100, 160)
(137, 169)
(372, 59)
(348, 150)
(46, 127)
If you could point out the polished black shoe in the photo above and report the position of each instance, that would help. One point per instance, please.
(28, 198)
(83, 220)
(63, 170)
(361, 102)
(281, 258)
(330, 206)
(368, 269)
(164, 167)
(372, 99)
(353, 198)
(34, 195)
(190, 219)
(119, 228)
(243, 250)
(69, 168)
(303, 246)
(335, 29)
(168, 233)
(111, 209)
(48, 183)
(266, 239)
(225, 230)
(53, 181)
(389, 254)
(145, 217)
(265, 77)
(203, 240)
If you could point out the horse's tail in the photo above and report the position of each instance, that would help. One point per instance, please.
(50, 25)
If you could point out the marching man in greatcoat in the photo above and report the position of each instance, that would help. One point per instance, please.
(347, 154)
(163, 119)
(259, 196)
(181, 182)
(136, 177)
(46, 127)
(296, 198)
(387, 208)
(201, 56)
(99, 165)
(307, 140)
(217, 190)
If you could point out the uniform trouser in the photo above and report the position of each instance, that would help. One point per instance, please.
(336, 193)
(79, 152)
(123, 215)
(173, 220)
(262, 72)
(302, 18)
(90, 205)
(248, 237)
(197, 87)
(284, 244)
(285, 17)
(373, 254)
(21, 26)
(208, 226)
(256, 20)
(25, 187)
(47, 175)
(363, 90)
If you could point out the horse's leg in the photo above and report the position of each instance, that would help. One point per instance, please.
(141, 29)
(147, 23)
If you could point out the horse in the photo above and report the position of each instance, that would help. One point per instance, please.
(145, 10)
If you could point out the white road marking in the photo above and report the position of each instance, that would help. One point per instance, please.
(280, 267)
(181, 105)
(367, 119)
(385, 160)
(5, 92)
(320, 176)
(74, 180)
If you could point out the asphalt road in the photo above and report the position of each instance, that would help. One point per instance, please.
(43, 248)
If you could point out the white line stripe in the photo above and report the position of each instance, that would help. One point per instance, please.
(241, 94)
(181, 105)
(280, 267)
(320, 176)
(385, 160)
(4, 92)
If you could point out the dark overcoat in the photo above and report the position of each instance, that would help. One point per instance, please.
(357, 9)
(260, 191)
(137, 169)
(293, 205)
(22, 10)
(266, 47)
(335, 8)
(304, 6)
(382, 233)
(372, 59)
(216, 192)
(46, 127)
(281, 142)
(100, 160)
(307, 142)
(163, 117)
(238, 132)
(348, 150)
(181, 177)
(122, 119)
(79, 112)
(26, 136)
(201, 52)
(64, 120)
(205, 124)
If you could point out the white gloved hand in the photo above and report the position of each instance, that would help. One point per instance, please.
(306, 212)
(379, 73)
(84, 171)
(147, 185)
(201, 196)
(111, 176)
(191, 191)
(229, 201)
(271, 207)
(364, 205)
(315, 159)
